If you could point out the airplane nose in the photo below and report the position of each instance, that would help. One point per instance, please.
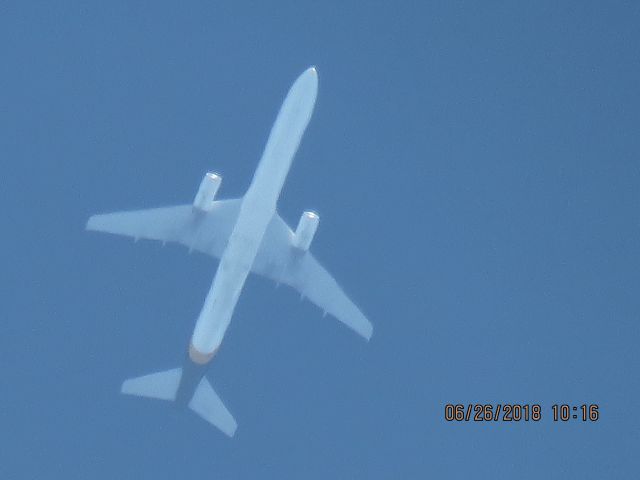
(311, 72)
(307, 81)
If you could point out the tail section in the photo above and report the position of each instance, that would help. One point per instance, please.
(161, 385)
(205, 401)
(207, 404)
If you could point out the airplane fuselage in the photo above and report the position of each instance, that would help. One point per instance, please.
(257, 210)
(246, 234)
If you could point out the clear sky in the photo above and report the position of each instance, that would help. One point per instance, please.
(475, 167)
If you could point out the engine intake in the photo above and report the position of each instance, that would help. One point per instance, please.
(306, 230)
(207, 192)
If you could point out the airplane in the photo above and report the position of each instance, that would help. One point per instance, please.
(247, 235)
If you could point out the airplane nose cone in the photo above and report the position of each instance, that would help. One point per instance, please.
(302, 94)
(307, 81)
(310, 74)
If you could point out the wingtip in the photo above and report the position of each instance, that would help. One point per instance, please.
(125, 387)
(368, 333)
(89, 224)
(365, 330)
(232, 431)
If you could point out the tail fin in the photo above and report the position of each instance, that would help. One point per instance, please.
(205, 401)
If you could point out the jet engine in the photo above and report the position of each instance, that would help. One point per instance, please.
(305, 230)
(207, 192)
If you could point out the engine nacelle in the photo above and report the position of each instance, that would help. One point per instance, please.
(207, 191)
(305, 230)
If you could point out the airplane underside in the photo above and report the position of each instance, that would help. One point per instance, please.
(248, 236)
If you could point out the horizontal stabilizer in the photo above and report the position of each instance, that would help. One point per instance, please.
(162, 385)
(207, 404)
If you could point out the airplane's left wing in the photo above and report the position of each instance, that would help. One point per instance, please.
(279, 260)
(206, 232)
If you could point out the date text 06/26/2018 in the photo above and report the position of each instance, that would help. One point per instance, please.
(515, 412)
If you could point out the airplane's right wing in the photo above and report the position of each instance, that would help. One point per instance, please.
(279, 260)
(206, 232)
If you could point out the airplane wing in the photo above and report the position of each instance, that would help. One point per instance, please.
(279, 260)
(205, 232)
(209, 232)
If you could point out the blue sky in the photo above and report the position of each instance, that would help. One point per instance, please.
(475, 167)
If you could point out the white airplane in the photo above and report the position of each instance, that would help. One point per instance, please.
(246, 234)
